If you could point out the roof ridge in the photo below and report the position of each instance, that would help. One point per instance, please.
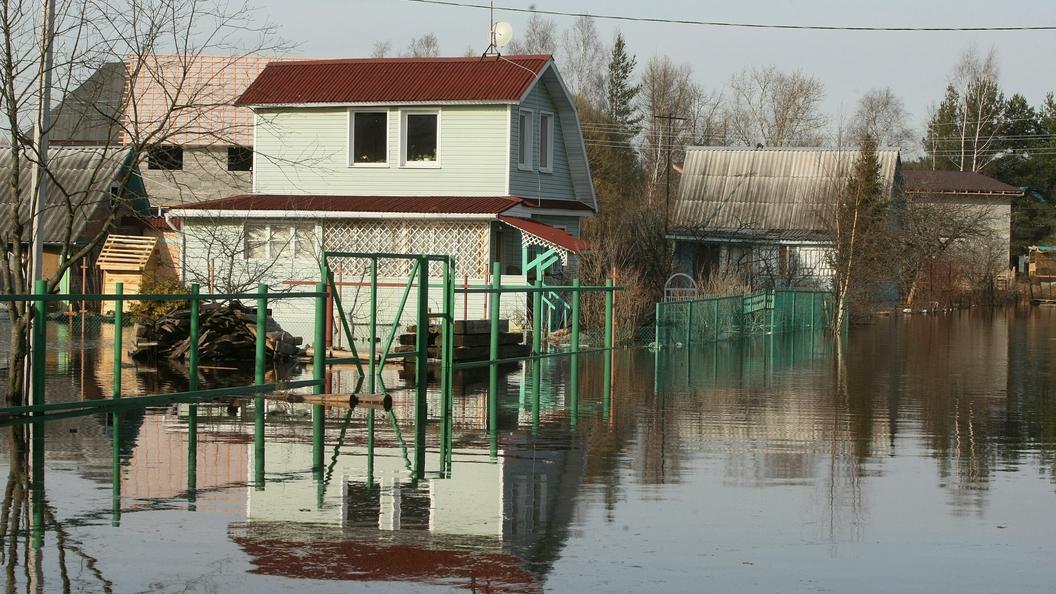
(409, 60)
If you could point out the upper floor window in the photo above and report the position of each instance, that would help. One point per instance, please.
(281, 240)
(524, 145)
(239, 158)
(166, 157)
(546, 142)
(421, 139)
(369, 142)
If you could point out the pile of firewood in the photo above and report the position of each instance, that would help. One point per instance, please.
(226, 332)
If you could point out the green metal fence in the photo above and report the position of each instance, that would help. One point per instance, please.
(721, 318)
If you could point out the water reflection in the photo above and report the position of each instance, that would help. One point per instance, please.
(917, 433)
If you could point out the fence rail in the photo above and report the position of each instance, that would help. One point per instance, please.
(722, 318)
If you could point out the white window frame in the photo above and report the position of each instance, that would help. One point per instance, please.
(292, 254)
(549, 118)
(526, 162)
(350, 149)
(403, 139)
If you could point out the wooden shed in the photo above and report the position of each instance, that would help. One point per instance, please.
(123, 259)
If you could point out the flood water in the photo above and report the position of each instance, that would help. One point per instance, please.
(923, 459)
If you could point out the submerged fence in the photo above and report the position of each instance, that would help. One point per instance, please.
(722, 318)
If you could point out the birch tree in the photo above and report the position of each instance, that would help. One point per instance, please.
(583, 60)
(966, 129)
(540, 37)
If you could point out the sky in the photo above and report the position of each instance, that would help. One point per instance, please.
(915, 65)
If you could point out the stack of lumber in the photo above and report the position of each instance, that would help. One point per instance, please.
(472, 341)
(226, 332)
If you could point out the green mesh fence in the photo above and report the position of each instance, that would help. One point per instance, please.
(721, 318)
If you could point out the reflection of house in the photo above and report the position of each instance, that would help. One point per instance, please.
(762, 212)
(974, 199)
(481, 159)
(206, 143)
(88, 191)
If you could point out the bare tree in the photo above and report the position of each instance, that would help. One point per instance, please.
(773, 108)
(426, 46)
(159, 43)
(381, 49)
(667, 90)
(882, 114)
(540, 37)
(585, 59)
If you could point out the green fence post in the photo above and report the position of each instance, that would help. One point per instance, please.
(371, 387)
(792, 317)
(119, 321)
(607, 369)
(447, 339)
(260, 370)
(537, 316)
(319, 375)
(715, 317)
(689, 324)
(115, 419)
(421, 368)
(370, 448)
(40, 340)
(493, 356)
(573, 383)
(192, 410)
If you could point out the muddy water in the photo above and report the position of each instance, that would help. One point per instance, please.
(919, 458)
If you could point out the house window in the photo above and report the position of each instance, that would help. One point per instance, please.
(165, 157)
(370, 138)
(546, 142)
(239, 158)
(524, 147)
(297, 241)
(421, 139)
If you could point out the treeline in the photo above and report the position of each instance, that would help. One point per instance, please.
(635, 118)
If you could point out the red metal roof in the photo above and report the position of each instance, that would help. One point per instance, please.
(394, 204)
(547, 233)
(955, 182)
(395, 80)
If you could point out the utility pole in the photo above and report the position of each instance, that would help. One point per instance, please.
(670, 142)
(38, 181)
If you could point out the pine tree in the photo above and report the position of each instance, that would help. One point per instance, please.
(621, 93)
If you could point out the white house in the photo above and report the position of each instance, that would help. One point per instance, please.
(478, 158)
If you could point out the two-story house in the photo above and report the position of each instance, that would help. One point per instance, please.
(479, 158)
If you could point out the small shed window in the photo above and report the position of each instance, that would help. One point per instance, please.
(166, 158)
(239, 158)
(298, 241)
(546, 142)
(421, 139)
(370, 138)
(524, 146)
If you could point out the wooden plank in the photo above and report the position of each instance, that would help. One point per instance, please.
(479, 340)
(479, 326)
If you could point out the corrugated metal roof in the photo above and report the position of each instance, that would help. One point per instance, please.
(547, 233)
(955, 182)
(776, 192)
(81, 182)
(395, 204)
(395, 80)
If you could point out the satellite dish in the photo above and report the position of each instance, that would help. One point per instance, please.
(501, 34)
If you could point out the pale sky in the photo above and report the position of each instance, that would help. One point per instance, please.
(914, 65)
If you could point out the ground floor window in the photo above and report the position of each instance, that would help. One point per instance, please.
(270, 241)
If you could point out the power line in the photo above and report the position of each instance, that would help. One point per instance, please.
(732, 24)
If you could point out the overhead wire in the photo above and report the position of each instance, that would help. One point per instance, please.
(740, 25)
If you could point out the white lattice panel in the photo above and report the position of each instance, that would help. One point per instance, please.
(467, 241)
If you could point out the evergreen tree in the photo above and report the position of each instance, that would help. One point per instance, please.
(621, 96)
